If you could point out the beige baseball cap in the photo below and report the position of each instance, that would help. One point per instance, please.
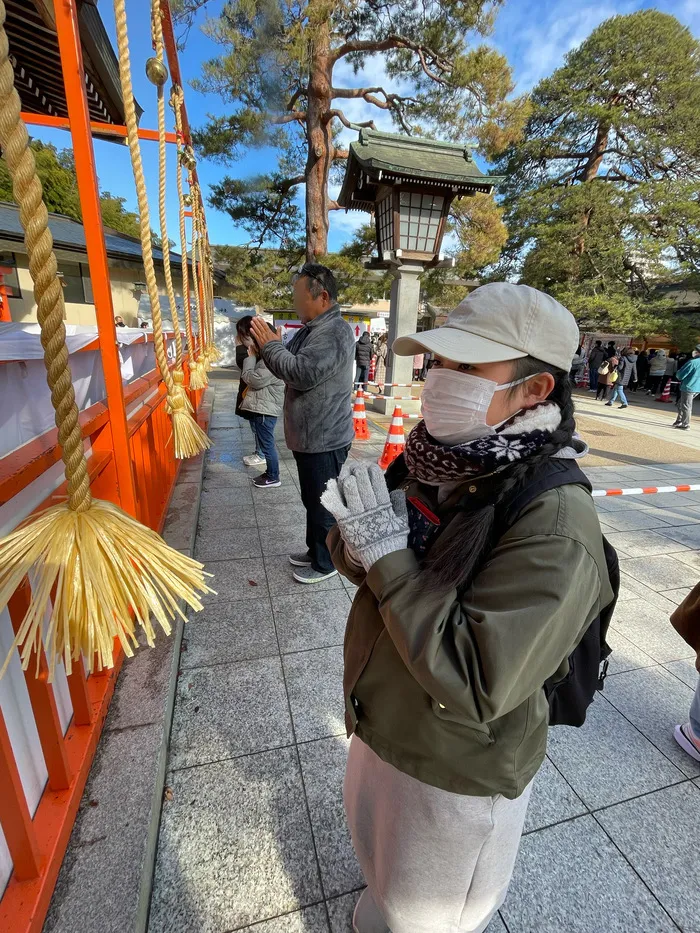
(498, 322)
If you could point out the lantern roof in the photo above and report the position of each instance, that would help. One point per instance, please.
(391, 158)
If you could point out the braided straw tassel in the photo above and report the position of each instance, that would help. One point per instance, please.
(96, 572)
(189, 438)
(178, 372)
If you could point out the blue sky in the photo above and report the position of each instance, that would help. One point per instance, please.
(535, 37)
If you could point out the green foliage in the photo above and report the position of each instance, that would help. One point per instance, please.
(57, 173)
(263, 277)
(275, 68)
(260, 277)
(115, 215)
(601, 198)
(56, 170)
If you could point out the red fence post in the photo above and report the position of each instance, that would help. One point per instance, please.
(79, 115)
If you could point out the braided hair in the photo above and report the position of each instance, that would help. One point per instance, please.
(458, 553)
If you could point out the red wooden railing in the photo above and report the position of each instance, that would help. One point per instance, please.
(131, 463)
(37, 844)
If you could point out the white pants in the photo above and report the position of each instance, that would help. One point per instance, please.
(434, 861)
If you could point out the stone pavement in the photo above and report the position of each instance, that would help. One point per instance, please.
(252, 833)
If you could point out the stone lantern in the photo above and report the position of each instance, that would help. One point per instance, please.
(408, 183)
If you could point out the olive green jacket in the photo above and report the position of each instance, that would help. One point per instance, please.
(448, 687)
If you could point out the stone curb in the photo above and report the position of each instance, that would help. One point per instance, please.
(106, 878)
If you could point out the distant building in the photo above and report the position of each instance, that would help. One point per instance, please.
(126, 270)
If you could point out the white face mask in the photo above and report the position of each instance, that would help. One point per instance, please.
(454, 404)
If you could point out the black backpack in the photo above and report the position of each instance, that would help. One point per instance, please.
(570, 698)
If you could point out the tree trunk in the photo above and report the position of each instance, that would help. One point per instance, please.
(590, 171)
(320, 144)
(596, 157)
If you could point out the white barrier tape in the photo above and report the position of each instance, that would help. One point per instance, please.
(396, 398)
(645, 490)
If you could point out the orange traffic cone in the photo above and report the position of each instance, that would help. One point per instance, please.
(395, 441)
(666, 394)
(359, 418)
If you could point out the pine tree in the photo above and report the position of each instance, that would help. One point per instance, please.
(278, 69)
(602, 194)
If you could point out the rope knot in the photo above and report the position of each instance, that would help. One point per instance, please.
(178, 377)
(175, 404)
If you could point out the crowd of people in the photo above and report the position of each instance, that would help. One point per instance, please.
(375, 347)
(485, 586)
(612, 370)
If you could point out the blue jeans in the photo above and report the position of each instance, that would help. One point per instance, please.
(618, 393)
(258, 448)
(264, 427)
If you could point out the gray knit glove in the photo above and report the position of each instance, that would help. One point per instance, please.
(372, 521)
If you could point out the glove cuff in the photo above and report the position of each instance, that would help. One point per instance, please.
(373, 552)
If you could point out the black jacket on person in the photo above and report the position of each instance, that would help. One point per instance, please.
(363, 350)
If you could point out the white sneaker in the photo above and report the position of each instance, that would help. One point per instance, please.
(687, 740)
(254, 460)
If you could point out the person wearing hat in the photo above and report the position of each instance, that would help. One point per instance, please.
(461, 617)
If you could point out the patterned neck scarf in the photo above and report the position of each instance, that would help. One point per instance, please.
(518, 439)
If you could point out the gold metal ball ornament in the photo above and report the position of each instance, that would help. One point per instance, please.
(156, 72)
(188, 159)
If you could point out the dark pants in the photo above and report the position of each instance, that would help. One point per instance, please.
(315, 470)
(654, 384)
(361, 376)
(593, 379)
(602, 390)
(264, 428)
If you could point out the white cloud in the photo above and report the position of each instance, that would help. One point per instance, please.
(536, 45)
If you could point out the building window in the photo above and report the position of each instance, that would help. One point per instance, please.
(420, 216)
(10, 278)
(385, 217)
(72, 281)
(87, 283)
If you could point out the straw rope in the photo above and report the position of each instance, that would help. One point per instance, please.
(141, 195)
(197, 261)
(177, 102)
(157, 28)
(198, 378)
(189, 439)
(48, 291)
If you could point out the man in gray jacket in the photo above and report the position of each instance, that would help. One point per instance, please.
(317, 369)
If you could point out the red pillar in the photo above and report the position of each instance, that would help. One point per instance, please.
(79, 116)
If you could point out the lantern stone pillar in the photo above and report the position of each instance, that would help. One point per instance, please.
(403, 319)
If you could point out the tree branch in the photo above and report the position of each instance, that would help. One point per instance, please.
(368, 46)
(295, 97)
(298, 116)
(391, 101)
(344, 120)
(341, 154)
(283, 186)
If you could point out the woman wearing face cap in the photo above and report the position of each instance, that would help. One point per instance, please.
(460, 616)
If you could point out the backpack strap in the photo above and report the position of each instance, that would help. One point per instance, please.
(553, 473)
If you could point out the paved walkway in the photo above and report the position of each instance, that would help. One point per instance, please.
(253, 835)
